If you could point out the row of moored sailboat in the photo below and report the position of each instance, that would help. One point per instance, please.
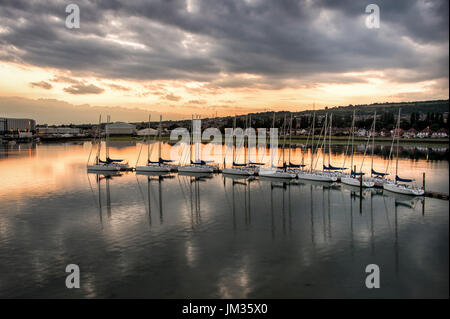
(287, 170)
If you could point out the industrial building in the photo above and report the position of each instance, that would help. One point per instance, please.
(120, 128)
(14, 125)
(147, 132)
(58, 130)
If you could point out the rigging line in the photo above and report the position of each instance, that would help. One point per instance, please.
(390, 152)
(314, 150)
(323, 141)
(306, 145)
(348, 140)
(365, 150)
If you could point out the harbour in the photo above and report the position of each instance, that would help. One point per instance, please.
(154, 235)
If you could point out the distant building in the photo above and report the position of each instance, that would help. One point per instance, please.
(441, 133)
(14, 125)
(58, 131)
(361, 132)
(424, 133)
(384, 133)
(147, 132)
(411, 133)
(397, 132)
(120, 128)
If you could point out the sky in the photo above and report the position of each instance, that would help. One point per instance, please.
(131, 58)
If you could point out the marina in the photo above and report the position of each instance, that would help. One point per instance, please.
(148, 234)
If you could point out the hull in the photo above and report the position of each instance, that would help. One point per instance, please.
(379, 182)
(317, 177)
(237, 171)
(195, 169)
(152, 168)
(276, 174)
(103, 168)
(356, 182)
(403, 189)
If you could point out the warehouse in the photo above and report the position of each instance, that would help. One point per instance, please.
(147, 132)
(16, 125)
(120, 128)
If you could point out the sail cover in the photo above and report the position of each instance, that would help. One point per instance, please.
(236, 164)
(160, 161)
(255, 163)
(295, 165)
(355, 174)
(406, 180)
(333, 168)
(200, 162)
(109, 161)
(280, 167)
(379, 174)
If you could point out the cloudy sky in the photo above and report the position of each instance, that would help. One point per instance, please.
(183, 57)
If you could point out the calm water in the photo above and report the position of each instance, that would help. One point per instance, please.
(186, 237)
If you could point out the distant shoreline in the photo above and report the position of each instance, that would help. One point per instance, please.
(335, 140)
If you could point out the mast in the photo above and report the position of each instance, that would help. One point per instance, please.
(245, 133)
(324, 141)
(290, 139)
(398, 139)
(271, 151)
(107, 137)
(353, 138)
(148, 144)
(159, 140)
(373, 140)
(329, 146)
(284, 140)
(234, 139)
(192, 138)
(99, 140)
(312, 141)
(248, 136)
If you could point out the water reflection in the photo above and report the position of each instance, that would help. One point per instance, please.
(147, 235)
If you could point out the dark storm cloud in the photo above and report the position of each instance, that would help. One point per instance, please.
(278, 40)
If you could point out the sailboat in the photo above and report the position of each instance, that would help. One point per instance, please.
(330, 169)
(292, 168)
(197, 165)
(241, 168)
(313, 175)
(353, 179)
(395, 186)
(161, 165)
(277, 171)
(100, 165)
(377, 177)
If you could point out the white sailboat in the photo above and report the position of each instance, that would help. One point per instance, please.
(313, 175)
(352, 179)
(197, 165)
(292, 168)
(242, 168)
(330, 169)
(395, 186)
(160, 165)
(100, 165)
(377, 177)
(276, 171)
